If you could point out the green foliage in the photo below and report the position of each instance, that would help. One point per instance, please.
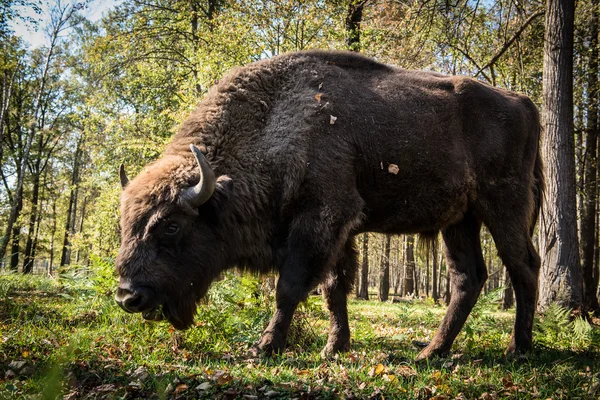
(483, 323)
(556, 327)
(82, 344)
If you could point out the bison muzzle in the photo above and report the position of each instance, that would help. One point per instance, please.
(292, 157)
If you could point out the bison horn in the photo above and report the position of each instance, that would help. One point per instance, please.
(123, 176)
(199, 194)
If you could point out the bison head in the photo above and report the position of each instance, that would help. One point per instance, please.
(171, 249)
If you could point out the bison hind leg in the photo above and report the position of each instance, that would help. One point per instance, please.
(468, 273)
(336, 288)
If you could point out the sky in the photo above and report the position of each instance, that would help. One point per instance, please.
(93, 12)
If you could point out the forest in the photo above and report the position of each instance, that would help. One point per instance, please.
(111, 89)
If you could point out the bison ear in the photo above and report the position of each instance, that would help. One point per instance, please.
(223, 190)
(123, 176)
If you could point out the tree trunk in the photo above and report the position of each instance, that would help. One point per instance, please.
(560, 273)
(65, 258)
(33, 216)
(434, 274)
(427, 276)
(409, 267)
(590, 186)
(448, 293)
(14, 251)
(353, 21)
(364, 271)
(509, 298)
(52, 237)
(384, 271)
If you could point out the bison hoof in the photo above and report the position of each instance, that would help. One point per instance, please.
(516, 351)
(269, 345)
(332, 349)
(431, 352)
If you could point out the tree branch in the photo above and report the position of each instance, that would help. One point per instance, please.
(509, 42)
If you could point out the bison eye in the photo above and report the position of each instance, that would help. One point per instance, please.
(172, 229)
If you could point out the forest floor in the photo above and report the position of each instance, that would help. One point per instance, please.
(67, 339)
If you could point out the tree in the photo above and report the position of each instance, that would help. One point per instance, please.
(408, 288)
(590, 168)
(363, 292)
(353, 20)
(434, 279)
(384, 271)
(60, 16)
(560, 272)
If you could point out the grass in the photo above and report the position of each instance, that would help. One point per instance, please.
(77, 344)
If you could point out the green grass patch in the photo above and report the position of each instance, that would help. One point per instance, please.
(66, 338)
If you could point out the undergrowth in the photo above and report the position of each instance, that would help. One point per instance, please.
(74, 342)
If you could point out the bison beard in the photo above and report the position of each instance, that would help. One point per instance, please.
(292, 157)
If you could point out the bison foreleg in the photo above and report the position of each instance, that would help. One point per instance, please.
(467, 276)
(335, 291)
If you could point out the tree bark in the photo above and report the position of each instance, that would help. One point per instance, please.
(434, 272)
(590, 186)
(33, 216)
(364, 271)
(509, 298)
(384, 271)
(409, 267)
(65, 258)
(14, 251)
(560, 273)
(353, 21)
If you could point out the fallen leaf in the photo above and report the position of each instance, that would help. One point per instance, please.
(182, 387)
(222, 377)
(320, 85)
(376, 370)
(318, 97)
(109, 387)
(332, 119)
(405, 370)
(204, 386)
(271, 393)
(393, 169)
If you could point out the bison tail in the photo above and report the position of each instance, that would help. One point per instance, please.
(539, 186)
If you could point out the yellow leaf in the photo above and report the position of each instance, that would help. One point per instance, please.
(25, 354)
(379, 369)
(318, 97)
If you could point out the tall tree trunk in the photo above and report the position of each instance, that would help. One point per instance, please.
(590, 188)
(509, 298)
(65, 258)
(384, 271)
(353, 21)
(52, 237)
(15, 250)
(364, 271)
(427, 276)
(559, 248)
(409, 267)
(434, 277)
(448, 293)
(33, 216)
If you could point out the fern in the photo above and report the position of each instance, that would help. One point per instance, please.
(556, 329)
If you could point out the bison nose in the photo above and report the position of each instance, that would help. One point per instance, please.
(133, 299)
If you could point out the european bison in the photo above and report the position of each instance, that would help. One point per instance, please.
(293, 156)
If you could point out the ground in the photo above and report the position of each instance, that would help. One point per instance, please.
(66, 338)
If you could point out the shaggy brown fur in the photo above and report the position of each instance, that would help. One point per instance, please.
(409, 152)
